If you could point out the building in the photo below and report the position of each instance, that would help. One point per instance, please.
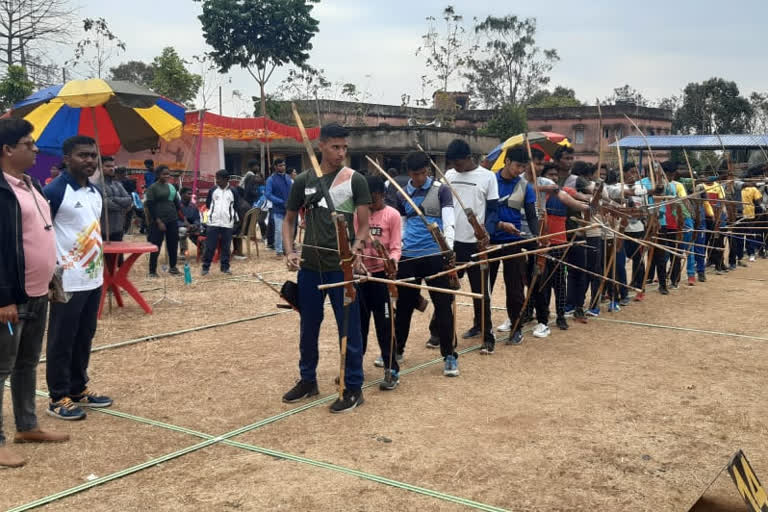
(581, 125)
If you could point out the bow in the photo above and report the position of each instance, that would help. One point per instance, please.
(390, 269)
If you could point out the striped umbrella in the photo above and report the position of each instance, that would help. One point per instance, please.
(114, 112)
(548, 142)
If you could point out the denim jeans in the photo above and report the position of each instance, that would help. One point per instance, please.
(19, 356)
(278, 218)
(687, 239)
(311, 304)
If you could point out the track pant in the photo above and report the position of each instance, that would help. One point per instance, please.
(311, 305)
(514, 280)
(635, 252)
(464, 253)
(213, 236)
(171, 237)
(595, 258)
(409, 297)
(374, 300)
(71, 328)
(736, 252)
(19, 357)
(553, 279)
(577, 280)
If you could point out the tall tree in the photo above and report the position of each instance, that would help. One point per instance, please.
(444, 47)
(506, 66)
(714, 106)
(97, 48)
(26, 25)
(259, 36)
(134, 71)
(627, 95)
(172, 79)
(558, 97)
(507, 121)
(759, 102)
(210, 81)
(14, 87)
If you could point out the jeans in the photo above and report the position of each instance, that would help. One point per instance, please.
(19, 356)
(554, 280)
(171, 237)
(278, 219)
(374, 300)
(311, 304)
(687, 239)
(464, 253)
(442, 323)
(213, 236)
(271, 230)
(701, 251)
(71, 327)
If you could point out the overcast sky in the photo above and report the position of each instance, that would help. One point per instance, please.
(656, 46)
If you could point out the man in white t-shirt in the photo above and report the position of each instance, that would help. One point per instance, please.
(478, 191)
(76, 209)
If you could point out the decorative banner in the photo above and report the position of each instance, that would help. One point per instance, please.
(746, 482)
(247, 128)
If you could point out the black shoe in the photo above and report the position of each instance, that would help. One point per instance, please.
(487, 349)
(433, 342)
(562, 324)
(391, 380)
(351, 400)
(302, 389)
(422, 304)
(516, 338)
(663, 290)
(174, 271)
(228, 272)
(474, 332)
(702, 277)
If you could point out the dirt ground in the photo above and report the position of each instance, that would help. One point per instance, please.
(604, 416)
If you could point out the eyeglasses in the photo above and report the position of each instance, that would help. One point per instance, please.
(31, 144)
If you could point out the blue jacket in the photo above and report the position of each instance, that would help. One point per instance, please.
(278, 190)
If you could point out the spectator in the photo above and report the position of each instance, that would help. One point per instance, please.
(76, 208)
(150, 175)
(162, 210)
(278, 189)
(54, 174)
(222, 215)
(25, 223)
(121, 174)
(192, 218)
(119, 202)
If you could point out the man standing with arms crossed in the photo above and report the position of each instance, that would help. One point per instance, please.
(348, 191)
(28, 255)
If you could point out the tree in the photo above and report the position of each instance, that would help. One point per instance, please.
(26, 24)
(759, 103)
(134, 71)
(14, 87)
(559, 97)
(445, 51)
(97, 48)
(509, 120)
(713, 106)
(171, 78)
(259, 36)
(506, 67)
(210, 80)
(627, 95)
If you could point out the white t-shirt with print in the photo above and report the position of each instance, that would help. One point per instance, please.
(475, 188)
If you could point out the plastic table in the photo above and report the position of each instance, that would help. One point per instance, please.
(116, 278)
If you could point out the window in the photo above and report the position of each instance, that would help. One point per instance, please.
(606, 133)
(619, 132)
(578, 135)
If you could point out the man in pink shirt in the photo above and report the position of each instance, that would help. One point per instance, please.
(28, 253)
(385, 227)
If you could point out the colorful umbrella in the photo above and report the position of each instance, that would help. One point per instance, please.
(548, 142)
(115, 113)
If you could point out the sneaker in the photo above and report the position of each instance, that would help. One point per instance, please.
(350, 400)
(153, 275)
(562, 324)
(65, 409)
(674, 286)
(391, 380)
(433, 342)
(474, 332)
(640, 297)
(579, 316)
(732, 267)
(174, 271)
(422, 304)
(204, 272)
(451, 367)
(741, 263)
(752, 258)
(569, 311)
(614, 307)
(506, 326)
(593, 311)
(379, 362)
(241, 258)
(626, 301)
(691, 280)
(90, 398)
(663, 290)
(516, 338)
(541, 331)
(702, 277)
(487, 349)
(302, 389)
(719, 272)
(227, 272)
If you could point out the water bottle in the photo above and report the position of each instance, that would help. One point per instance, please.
(187, 271)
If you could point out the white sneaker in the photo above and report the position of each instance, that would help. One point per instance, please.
(752, 258)
(506, 326)
(541, 331)
(238, 257)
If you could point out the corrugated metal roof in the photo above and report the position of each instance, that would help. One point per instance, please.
(693, 141)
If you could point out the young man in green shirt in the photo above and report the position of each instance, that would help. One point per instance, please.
(163, 207)
(319, 262)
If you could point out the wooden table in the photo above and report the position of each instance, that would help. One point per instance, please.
(116, 278)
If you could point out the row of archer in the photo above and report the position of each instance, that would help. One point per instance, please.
(551, 228)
